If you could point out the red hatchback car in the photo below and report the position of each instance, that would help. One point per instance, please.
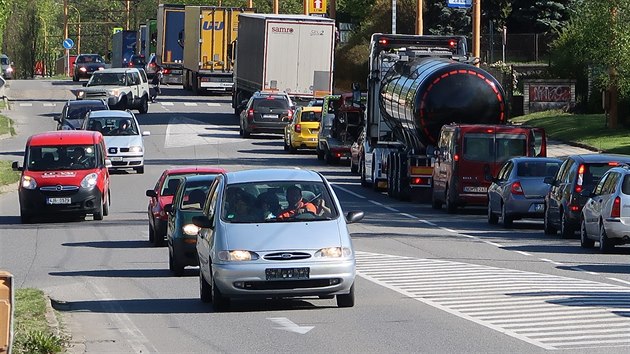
(162, 194)
(64, 172)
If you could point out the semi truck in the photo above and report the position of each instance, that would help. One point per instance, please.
(170, 45)
(151, 38)
(141, 38)
(123, 47)
(211, 33)
(290, 53)
(416, 85)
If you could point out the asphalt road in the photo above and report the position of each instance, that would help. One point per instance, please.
(428, 281)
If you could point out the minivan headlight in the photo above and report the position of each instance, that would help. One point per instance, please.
(237, 256)
(28, 182)
(89, 181)
(334, 252)
(135, 149)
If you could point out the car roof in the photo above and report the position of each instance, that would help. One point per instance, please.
(531, 158)
(86, 103)
(64, 137)
(116, 70)
(311, 109)
(600, 158)
(273, 175)
(202, 169)
(114, 113)
(204, 177)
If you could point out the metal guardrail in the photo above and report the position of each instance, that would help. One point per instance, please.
(7, 302)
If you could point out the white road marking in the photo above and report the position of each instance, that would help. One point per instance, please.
(190, 104)
(26, 105)
(288, 325)
(50, 104)
(552, 262)
(523, 253)
(166, 103)
(540, 309)
(213, 104)
(384, 206)
(117, 314)
(349, 192)
(619, 280)
(182, 132)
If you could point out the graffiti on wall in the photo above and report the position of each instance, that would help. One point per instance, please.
(550, 93)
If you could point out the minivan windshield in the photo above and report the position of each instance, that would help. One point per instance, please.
(63, 157)
(277, 202)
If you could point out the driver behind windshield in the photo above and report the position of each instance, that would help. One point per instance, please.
(297, 205)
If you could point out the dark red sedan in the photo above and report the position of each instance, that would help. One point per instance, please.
(162, 194)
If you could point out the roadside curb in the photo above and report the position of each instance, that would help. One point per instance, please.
(72, 345)
(9, 188)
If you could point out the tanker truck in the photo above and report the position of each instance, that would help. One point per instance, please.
(416, 85)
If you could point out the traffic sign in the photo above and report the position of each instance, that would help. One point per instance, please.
(68, 43)
(317, 6)
(459, 3)
(117, 29)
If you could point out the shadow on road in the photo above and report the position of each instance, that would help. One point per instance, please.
(111, 244)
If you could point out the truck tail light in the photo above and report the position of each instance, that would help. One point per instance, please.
(615, 212)
(420, 181)
(517, 189)
(298, 128)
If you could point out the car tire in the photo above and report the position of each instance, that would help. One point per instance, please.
(158, 240)
(25, 217)
(548, 228)
(106, 206)
(151, 234)
(292, 149)
(139, 170)
(493, 219)
(506, 219)
(144, 105)
(354, 169)
(205, 290)
(605, 246)
(285, 145)
(173, 265)
(346, 300)
(435, 203)
(451, 208)
(98, 214)
(219, 302)
(565, 230)
(320, 153)
(75, 78)
(585, 242)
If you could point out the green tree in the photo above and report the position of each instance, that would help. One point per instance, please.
(538, 16)
(597, 39)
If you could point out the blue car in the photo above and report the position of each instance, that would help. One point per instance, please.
(181, 233)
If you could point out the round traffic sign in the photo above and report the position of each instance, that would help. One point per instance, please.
(68, 43)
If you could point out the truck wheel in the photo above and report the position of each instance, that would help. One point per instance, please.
(362, 173)
(435, 203)
(195, 84)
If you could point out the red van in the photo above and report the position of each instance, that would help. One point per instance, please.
(467, 153)
(64, 172)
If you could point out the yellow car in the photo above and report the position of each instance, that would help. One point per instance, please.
(301, 132)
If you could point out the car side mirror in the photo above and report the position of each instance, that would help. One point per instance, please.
(549, 180)
(84, 84)
(151, 193)
(108, 163)
(587, 193)
(146, 133)
(354, 216)
(168, 208)
(202, 221)
(15, 166)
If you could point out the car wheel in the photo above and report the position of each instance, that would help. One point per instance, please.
(493, 219)
(144, 105)
(585, 242)
(548, 228)
(451, 208)
(292, 149)
(354, 168)
(565, 229)
(605, 246)
(362, 174)
(219, 302)
(173, 265)
(346, 300)
(106, 206)
(139, 170)
(285, 145)
(328, 158)
(320, 154)
(205, 290)
(98, 214)
(151, 234)
(75, 78)
(506, 219)
(158, 240)
(25, 217)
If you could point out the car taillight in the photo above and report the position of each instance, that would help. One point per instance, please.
(580, 179)
(615, 212)
(250, 115)
(298, 128)
(290, 114)
(165, 71)
(517, 188)
(152, 65)
(456, 157)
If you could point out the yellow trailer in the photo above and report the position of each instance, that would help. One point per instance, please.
(210, 35)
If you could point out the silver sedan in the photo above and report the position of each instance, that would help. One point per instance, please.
(271, 233)
(518, 190)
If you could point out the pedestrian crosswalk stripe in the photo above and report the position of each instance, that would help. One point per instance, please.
(541, 309)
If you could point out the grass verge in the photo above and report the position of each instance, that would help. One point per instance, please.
(586, 129)
(33, 334)
(6, 124)
(7, 175)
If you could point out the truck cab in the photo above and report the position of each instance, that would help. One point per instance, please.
(467, 153)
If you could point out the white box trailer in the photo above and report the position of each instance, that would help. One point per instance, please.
(290, 53)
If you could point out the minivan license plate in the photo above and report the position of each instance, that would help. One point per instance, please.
(475, 189)
(286, 273)
(59, 201)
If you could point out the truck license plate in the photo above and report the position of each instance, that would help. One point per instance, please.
(52, 201)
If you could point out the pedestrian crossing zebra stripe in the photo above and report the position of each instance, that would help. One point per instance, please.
(540, 309)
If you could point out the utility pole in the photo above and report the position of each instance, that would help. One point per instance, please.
(476, 29)
(393, 16)
(128, 5)
(65, 35)
(419, 18)
(332, 9)
(305, 3)
(250, 3)
(276, 7)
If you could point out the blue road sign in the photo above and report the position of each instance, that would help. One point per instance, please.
(459, 3)
(68, 43)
